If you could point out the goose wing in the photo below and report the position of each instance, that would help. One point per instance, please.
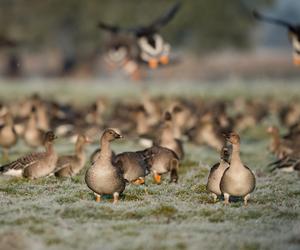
(23, 162)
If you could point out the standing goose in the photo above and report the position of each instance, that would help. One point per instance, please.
(238, 179)
(133, 165)
(8, 135)
(34, 165)
(293, 31)
(216, 173)
(70, 165)
(103, 177)
(33, 135)
(161, 161)
(167, 138)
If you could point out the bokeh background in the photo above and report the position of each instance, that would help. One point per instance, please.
(213, 39)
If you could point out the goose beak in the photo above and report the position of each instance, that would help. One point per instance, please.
(119, 136)
(153, 63)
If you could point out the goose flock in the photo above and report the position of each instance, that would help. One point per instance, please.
(161, 126)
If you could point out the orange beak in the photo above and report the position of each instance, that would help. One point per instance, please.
(164, 60)
(153, 63)
(296, 59)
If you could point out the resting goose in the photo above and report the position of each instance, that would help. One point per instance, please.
(104, 177)
(238, 179)
(34, 165)
(70, 165)
(286, 164)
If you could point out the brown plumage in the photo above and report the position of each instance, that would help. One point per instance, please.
(8, 135)
(216, 173)
(161, 161)
(167, 138)
(103, 177)
(134, 166)
(238, 179)
(70, 165)
(34, 165)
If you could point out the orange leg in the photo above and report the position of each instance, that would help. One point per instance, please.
(164, 60)
(139, 181)
(296, 59)
(157, 178)
(153, 63)
(98, 197)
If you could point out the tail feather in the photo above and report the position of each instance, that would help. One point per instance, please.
(4, 168)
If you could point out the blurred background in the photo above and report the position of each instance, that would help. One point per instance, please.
(212, 40)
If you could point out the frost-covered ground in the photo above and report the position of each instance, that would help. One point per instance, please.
(62, 214)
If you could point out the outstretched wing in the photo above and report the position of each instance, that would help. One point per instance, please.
(166, 17)
(273, 20)
(108, 27)
(156, 25)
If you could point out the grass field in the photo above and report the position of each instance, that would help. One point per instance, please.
(62, 214)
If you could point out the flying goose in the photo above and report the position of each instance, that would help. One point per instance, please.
(153, 50)
(293, 31)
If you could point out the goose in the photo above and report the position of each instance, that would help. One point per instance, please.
(103, 177)
(238, 179)
(121, 51)
(70, 165)
(286, 164)
(216, 173)
(33, 135)
(167, 138)
(133, 165)
(279, 146)
(34, 165)
(152, 48)
(293, 31)
(161, 161)
(8, 135)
